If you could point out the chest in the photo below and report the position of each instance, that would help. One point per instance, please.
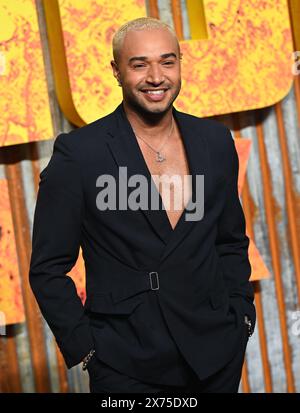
(170, 175)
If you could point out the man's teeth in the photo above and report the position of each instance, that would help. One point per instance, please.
(155, 92)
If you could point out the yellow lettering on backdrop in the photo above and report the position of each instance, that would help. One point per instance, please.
(80, 34)
(24, 103)
(11, 300)
(243, 64)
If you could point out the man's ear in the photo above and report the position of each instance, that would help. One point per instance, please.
(116, 71)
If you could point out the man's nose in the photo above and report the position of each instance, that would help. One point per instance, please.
(155, 74)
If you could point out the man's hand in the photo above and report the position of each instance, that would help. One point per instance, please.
(249, 324)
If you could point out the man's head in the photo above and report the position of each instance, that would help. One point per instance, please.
(147, 58)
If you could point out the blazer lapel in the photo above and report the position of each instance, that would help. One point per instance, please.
(198, 159)
(126, 152)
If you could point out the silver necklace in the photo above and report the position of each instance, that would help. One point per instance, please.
(159, 156)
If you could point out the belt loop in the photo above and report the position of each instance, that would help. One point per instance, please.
(155, 273)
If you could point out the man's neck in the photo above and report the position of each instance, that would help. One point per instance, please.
(152, 126)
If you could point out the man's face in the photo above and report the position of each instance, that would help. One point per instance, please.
(149, 70)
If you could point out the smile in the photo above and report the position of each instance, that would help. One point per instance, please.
(155, 95)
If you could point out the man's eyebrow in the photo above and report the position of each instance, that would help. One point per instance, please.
(164, 56)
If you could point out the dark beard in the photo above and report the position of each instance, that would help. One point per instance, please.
(151, 118)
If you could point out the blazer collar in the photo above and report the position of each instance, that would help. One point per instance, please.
(126, 152)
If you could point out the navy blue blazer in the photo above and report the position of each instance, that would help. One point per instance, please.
(158, 299)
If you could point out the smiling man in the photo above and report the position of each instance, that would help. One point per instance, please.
(169, 304)
(147, 66)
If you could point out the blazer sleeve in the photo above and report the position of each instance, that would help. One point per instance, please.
(55, 246)
(232, 242)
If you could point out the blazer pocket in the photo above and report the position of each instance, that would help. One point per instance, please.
(102, 303)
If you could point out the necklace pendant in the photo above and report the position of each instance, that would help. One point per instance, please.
(159, 157)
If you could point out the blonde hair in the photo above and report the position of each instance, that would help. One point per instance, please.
(141, 23)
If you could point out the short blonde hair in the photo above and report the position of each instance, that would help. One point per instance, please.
(141, 23)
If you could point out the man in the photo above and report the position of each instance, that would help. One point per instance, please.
(169, 304)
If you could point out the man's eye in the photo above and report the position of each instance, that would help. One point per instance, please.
(168, 63)
(137, 66)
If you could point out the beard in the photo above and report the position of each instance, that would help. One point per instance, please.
(150, 110)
